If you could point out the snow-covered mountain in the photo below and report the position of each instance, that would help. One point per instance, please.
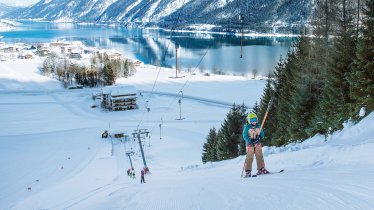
(4, 9)
(260, 15)
(65, 10)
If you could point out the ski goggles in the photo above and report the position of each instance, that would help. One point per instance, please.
(252, 120)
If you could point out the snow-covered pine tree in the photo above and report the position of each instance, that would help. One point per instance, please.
(256, 107)
(271, 124)
(361, 77)
(230, 141)
(287, 84)
(268, 93)
(323, 24)
(109, 74)
(300, 98)
(210, 147)
(336, 99)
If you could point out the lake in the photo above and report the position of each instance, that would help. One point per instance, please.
(158, 47)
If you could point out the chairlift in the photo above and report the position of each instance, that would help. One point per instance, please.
(180, 106)
(147, 106)
(241, 18)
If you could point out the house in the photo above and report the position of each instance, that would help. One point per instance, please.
(2, 57)
(58, 44)
(11, 56)
(44, 49)
(75, 54)
(10, 49)
(20, 46)
(26, 54)
(119, 98)
(138, 63)
(111, 54)
(78, 44)
(89, 50)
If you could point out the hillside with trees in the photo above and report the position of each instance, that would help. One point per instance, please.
(326, 80)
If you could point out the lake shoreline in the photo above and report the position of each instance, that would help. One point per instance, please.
(156, 46)
(197, 31)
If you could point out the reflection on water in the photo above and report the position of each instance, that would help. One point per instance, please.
(153, 46)
(64, 26)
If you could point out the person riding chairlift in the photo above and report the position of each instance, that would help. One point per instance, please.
(105, 134)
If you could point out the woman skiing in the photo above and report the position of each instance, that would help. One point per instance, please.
(252, 137)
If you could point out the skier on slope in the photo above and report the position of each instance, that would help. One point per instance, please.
(252, 137)
(132, 173)
(142, 177)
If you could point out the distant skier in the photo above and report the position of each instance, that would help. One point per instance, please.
(128, 172)
(132, 173)
(142, 177)
(252, 137)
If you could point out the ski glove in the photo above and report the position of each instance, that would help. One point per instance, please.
(256, 140)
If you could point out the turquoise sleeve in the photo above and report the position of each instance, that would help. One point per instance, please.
(245, 134)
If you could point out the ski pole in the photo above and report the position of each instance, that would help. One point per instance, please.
(266, 115)
(263, 121)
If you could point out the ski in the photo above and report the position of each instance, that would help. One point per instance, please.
(276, 172)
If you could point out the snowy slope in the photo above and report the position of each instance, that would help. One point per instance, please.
(50, 141)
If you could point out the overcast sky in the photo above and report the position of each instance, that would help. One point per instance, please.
(19, 2)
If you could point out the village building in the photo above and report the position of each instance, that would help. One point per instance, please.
(75, 54)
(138, 63)
(89, 50)
(44, 49)
(119, 98)
(26, 54)
(8, 52)
(58, 44)
(10, 49)
(71, 49)
(111, 54)
(2, 57)
(20, 46)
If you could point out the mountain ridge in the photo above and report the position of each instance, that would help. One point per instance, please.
(280, 16)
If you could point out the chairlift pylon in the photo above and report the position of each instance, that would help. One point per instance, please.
(241, 19)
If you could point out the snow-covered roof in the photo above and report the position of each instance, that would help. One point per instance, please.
(118, 90)
(91, 49)
(76, 51)
(77, 43)
(109, 52)
(26, 52)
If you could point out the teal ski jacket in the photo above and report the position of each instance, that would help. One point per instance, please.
(246, 137)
